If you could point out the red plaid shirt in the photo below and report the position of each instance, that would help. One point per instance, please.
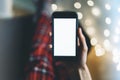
(40, 65)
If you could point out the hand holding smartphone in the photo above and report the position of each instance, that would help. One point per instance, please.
(64, 38)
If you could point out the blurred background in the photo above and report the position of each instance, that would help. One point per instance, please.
(100, 20)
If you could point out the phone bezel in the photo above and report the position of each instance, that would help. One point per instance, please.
(64, 14)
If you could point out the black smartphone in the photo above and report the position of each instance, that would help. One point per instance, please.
(64, 35)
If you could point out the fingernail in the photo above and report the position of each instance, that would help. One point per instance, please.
(80, 30)
(50, 33)
(50, 46)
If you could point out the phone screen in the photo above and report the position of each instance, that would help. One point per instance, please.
(64, 36)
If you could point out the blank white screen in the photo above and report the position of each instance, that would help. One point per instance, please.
(64, 37)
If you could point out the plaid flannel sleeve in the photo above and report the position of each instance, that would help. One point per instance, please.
(40, 61)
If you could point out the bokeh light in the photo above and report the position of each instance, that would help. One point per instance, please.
(54, 7)
(88, 22)
(99, 50)
(90, 31)
(93, 41)
(108, 6)
(108, 20)
(77, 5)
(107, 45)
(80, 15)
(90, 3)
(96, 11)
(106, 33)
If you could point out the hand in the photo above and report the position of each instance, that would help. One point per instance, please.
(83, 69)
(68, 67)
(82, 50)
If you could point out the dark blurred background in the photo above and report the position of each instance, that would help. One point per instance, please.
(16, 31)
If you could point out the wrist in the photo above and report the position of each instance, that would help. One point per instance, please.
(84, 72)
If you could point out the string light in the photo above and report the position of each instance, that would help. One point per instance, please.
(93, 41)
(108, 20)
(99, 50)
(96, 11)
(107, 6)
(80, 15)
(106, 33)
(106, 44)
(90, 3)
(54, 7)
(90, 31)
(88, 22)
(77, 5)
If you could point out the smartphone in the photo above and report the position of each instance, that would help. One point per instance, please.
(64, 35)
